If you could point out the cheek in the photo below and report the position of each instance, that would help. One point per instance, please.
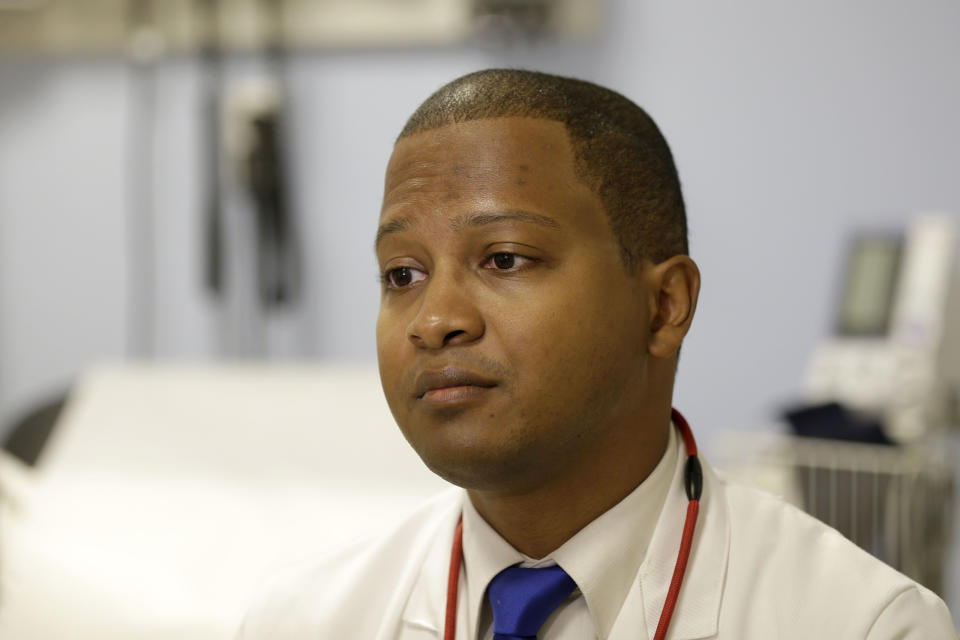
(569, 349)
(392, 326)
(390, 338)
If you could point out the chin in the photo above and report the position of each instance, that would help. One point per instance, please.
(471, 451)
(478, 467)
(476, 477)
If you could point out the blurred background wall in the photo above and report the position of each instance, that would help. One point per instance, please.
(792, 125)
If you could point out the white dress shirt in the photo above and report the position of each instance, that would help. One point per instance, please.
(602, 558)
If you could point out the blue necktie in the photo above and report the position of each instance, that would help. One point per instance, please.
(523, 599)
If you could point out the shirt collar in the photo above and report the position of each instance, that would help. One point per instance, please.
(602, 558)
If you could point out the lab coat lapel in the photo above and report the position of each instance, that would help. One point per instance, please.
(698, 607)
(423, 616)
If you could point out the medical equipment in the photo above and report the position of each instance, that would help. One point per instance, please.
(693, 481)
(247, 135)
(887, 376)
(894, 502)
(895, 352)
(88, 27)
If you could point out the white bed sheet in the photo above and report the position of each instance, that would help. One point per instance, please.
(169, 494)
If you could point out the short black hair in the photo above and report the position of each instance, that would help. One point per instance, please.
(619, 151)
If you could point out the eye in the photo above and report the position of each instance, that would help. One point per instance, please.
(401, 277)
(506, 261)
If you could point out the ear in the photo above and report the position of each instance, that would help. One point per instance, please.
(674, 287)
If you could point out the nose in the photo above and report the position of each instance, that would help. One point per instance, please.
(448, 315)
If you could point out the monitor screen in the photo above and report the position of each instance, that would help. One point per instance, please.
(870, 286)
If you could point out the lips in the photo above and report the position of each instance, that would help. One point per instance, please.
(448, 377)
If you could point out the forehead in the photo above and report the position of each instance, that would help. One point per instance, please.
(493, 144)
(514, 163)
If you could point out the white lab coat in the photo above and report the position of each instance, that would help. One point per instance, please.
(759, 569)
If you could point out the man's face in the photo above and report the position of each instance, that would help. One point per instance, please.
(511, 339)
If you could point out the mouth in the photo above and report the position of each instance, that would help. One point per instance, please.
(451, 385)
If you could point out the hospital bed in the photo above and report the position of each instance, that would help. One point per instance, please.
(167, 495)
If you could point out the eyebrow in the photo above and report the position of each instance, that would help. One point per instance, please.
(394, 226)
(472, 220)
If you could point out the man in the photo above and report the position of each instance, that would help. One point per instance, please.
(536, 292)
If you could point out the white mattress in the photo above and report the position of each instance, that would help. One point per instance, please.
(168, 494)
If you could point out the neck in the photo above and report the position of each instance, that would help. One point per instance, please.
(538, 519)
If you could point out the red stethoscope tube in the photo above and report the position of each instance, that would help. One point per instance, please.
(693, 483)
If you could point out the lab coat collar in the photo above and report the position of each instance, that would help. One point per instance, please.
(426, 607)
(698, 608)
(697, 613)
